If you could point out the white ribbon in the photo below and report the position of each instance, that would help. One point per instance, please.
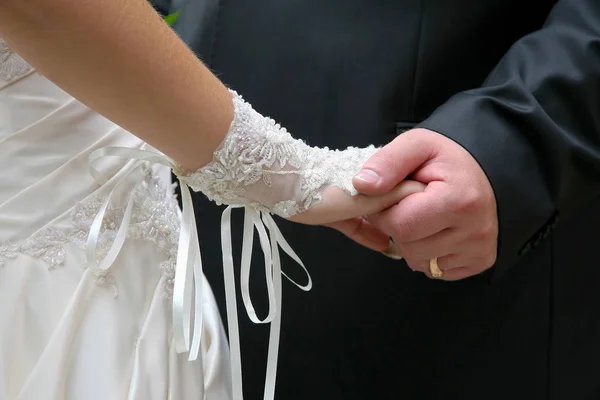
(101, 268)
(270, 247)
(189, 266)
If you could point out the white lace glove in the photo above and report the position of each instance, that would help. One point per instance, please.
(261, 167)
(260, 164)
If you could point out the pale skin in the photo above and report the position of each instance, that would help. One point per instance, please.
(453, 219)
(119, 58)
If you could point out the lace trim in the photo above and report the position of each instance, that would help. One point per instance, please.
(12, 66)
(7, 252)
(259, 164)
(155, 219)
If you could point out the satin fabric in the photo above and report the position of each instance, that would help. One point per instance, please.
(62, 335)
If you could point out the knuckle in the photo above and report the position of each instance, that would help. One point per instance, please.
(402, 235)
(484, 231)
(490, 260)
(402, 228)
(408, 252)
(484, 263)
(469, 200)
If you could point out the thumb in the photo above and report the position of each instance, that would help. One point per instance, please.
(393, 163)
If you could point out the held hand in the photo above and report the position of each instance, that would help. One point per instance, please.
(454, 219)
(260, 164)
(343, 212)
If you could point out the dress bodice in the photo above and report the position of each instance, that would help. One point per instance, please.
(48, 197)
(70, 301)
(60, 187)
(46, 137)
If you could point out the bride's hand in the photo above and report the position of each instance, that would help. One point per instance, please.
(260, 164)
(345, 213)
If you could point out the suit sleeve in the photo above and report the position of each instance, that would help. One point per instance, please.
(534, 127)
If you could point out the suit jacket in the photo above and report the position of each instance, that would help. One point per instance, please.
(518, 85)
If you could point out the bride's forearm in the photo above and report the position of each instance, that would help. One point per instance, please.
(122, 60)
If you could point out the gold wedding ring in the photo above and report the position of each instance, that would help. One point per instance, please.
(435, 270)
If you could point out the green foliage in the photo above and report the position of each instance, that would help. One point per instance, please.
(171, 18)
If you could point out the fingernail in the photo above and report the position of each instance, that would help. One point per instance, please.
(369, 176)
(392, 251)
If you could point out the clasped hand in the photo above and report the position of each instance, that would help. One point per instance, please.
(454, 219)
(429, 195)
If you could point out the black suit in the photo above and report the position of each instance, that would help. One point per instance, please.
(523, 96)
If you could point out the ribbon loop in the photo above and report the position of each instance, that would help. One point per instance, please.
(188, 269)
(270, 245)
(188, 266)
(252, 220)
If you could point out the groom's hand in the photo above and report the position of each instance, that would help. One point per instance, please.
(454, 219)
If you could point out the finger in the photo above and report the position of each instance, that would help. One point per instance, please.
(417, 265)
(445, 263)
(393, 163)
(417, 216)
(393, 251)
(337, 205)
(459, 273)
(452, 275)
(370, 205)
(440, 244)
(451, 261)
(454, 261)
(363, 233)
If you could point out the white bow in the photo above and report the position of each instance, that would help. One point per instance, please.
(189, 267)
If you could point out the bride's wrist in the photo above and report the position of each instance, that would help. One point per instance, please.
(260, 164)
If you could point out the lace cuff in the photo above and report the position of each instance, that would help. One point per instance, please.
(259, 164)
(261, 167)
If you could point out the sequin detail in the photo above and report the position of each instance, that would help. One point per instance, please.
(12, 66)
(155, 219)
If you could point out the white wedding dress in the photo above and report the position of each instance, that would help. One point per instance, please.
(67, 331)
(101, 276)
